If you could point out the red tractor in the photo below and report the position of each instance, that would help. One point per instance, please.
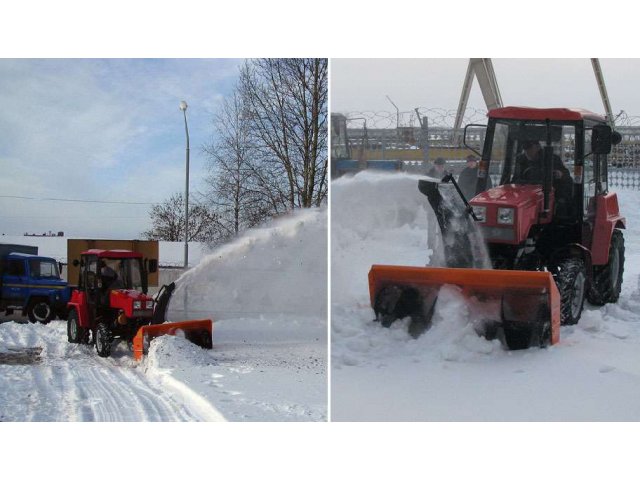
(551, 221)
(111, 301)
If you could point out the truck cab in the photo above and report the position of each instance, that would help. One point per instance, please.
(32, 283)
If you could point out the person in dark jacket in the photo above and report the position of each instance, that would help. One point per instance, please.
(438, 169)
(468, 178)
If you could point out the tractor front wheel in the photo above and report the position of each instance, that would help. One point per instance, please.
(571, 279)
(104, 338)
(76, 333)
(607, 279)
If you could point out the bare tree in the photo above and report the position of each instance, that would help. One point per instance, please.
(236, 191)
(287, 104)
(168, 221)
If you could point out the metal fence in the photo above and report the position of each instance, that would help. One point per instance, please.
(416, 137)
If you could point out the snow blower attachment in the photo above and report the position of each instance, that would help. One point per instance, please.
(198, 332)
(529, 301)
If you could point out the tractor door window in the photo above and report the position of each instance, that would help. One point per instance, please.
(133, 273)
(500, 153)
(90, 273)
(603, 174)
(588, 175)
(568, 149)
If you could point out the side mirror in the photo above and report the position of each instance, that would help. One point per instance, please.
(602, 138)
(153, 265)
(467, 139)
(75, 262)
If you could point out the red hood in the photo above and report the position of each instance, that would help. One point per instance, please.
(527, 202)
(121, 295)
(510, 196)
(124, 300)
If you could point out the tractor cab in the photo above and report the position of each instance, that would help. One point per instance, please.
(561, 151)
(112, 269)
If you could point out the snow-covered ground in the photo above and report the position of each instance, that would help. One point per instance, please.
(450, 373)
(267, 295)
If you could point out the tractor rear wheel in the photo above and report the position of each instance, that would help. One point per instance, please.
(607, 279)
(103, 337)
(76, 333)
(571, 280)
(40, 311)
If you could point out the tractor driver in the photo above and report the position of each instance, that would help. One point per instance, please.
(529, 169)
(109, 277)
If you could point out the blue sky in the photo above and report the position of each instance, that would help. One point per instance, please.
(102, 129)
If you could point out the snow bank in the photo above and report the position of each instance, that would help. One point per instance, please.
(280, 269)
(375, 218)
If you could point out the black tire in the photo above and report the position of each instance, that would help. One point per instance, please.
(103, 338)
(40, 311)
(571, 279)
(76, 333)
(607, 279)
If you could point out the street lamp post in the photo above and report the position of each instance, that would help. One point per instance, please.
(183, 107)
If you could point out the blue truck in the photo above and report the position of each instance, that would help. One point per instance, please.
(31, 283)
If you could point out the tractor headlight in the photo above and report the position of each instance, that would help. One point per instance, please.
(505, 216)
(137, 305)
(480, 213)
(149, 304)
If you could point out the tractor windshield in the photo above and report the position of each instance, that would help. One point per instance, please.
(516, 151)
(121, 273)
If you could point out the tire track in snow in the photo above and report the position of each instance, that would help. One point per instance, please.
(71, 383)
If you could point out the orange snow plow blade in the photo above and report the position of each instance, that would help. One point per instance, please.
(529, 300)
(196, 331)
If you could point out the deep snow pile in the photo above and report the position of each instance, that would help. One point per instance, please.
(451, 373)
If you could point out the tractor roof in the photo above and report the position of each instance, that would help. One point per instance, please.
(553, 114)
(112, 253)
